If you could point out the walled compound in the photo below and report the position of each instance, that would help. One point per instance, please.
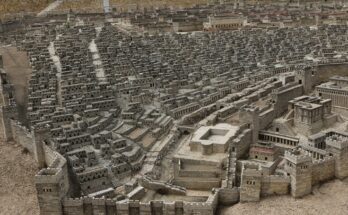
(122, 122)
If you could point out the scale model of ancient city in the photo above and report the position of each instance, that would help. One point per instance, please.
(162, 111)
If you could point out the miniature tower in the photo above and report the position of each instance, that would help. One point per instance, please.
(52, 186)
(306, 78)
(338, 147)
(251, 183)
(40, 134)
(250, 115)
(299, 167)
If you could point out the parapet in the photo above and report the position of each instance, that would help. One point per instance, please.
(49, 175)
(250, 169)
(326, 159)
(298, 156)
(148, 207)
(337, 141)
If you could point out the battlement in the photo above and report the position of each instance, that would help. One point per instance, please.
(49, 175)
(298, 156)
(326, 159)
(337, 141)
(125, 205)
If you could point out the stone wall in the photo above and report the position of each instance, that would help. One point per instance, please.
(191, 183)
(158, 185)
(242, 143)
(92, 206)
(52, 183)
(275, 185)
(323, 170)
(283, 95)
(341, 164)
(228, 196)
(266, 118)
(22, 136)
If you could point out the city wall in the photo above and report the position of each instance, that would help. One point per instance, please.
(229, 196)
(22, 136)
(158, 185)
(92, 206)
(275, 185)
(323, 170)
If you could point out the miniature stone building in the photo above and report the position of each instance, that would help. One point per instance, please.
(118, 115)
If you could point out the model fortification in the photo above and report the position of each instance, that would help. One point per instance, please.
(126, 114)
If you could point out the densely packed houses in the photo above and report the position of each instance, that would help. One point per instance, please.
(130, 122)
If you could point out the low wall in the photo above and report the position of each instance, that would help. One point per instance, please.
(192, 183)
(158, 185)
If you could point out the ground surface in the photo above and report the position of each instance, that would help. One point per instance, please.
(330, 198)
(96, 5)
(18, 6)
(17, 188)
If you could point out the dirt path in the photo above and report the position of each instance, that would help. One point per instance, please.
(49, 8)
(17, 188)
(330, 198)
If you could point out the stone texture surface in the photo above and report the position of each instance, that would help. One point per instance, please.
(17, 188)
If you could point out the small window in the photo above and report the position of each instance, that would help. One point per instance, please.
(266, 158)
(277, 129)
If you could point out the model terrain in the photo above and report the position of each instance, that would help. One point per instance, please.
(163, 110)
